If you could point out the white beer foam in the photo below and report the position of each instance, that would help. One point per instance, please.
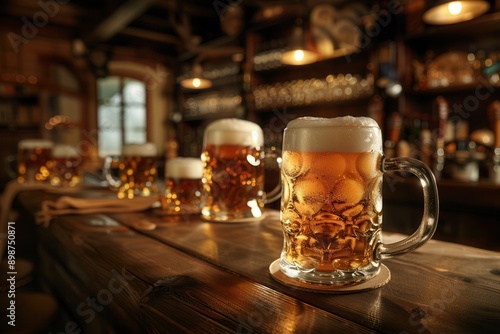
(64, 151)
(234, 131)
(184, 168)
(340, 134)
(35, 143)
(140, 150)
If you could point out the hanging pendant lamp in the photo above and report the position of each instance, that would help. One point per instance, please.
(298, 53)
(440, 12)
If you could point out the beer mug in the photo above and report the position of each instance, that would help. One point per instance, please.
(67, 168)
(331, 203)
(233, 175)
(34, 161)
(137, 171)
(183, 186)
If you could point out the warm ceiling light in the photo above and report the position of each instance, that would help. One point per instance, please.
(448, 12)
(298, 54)
(298, 57)
(196, 81)
(455, 7)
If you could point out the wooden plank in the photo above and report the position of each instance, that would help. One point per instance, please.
(173, 290)
(192, 270)
(117, 20)
(435, 275)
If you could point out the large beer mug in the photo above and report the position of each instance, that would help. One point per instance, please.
(137, 171)
(67, 168)
(233, 176)
(34, 160)
(331, 203)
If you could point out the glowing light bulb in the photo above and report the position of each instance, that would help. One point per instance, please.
(298, 55)
(196, 82)
(455, 7)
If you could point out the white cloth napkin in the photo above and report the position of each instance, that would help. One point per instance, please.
(66, 205)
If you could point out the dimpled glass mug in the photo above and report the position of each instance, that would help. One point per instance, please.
(331, 203)
(233, 171)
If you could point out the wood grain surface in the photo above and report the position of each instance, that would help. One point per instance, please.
(188, 275)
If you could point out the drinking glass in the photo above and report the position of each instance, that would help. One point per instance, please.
(331, 203)
(67, 166)
(137, 171)
(233, 175)
(183, 187)
(34, 161)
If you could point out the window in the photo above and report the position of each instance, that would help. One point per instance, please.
(121, 113)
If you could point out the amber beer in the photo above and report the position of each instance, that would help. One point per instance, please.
(331, 203)
(67, 169)
(183, 186)
(233, 177)
(137, 171)
(34, 160)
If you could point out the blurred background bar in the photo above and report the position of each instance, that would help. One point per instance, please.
(99, 74)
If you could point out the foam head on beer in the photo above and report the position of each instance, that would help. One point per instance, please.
(184, 168)
(64, 151)
(30, 144)
(233, 131)
(340, 134)
(139, 150)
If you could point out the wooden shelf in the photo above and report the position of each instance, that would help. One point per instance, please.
(29, 99)
(454, 88)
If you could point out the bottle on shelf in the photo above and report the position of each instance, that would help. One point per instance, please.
(494, 120)
(440, 119)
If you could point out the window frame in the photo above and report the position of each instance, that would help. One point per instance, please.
(123, 75)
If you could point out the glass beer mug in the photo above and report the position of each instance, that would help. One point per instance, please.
(233, 174)
(67, 169)
(137, 171)
(183, 186)
(34, 161)
(331, 203)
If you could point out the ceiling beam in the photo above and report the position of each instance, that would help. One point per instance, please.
(117, 20)
(151, 35)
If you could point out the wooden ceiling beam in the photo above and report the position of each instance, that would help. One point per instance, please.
(53, 12)
(118, 20)
(151, 35)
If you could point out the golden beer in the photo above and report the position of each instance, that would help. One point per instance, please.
(331, 209)
(331, 203)
(233, 177)
(34, 160)
(67, 168)
(137, 171)
(231, 180)
(183, 191)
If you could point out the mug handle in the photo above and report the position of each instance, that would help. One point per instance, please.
(429, 221)
(112, 182)
(274, 194)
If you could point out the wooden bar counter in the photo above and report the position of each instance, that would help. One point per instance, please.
(193, 276)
